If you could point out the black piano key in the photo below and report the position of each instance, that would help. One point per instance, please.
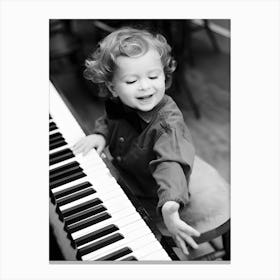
(64, 167)
(116, 255)
(64, 173)
(67, 179)
(99, 244)
(55, 136)
(75, 196)
(130, 258)
(89, 222)
(50, 117)
(52, 197)
(57, 144)
(81, 207)
(56, 140)
(60, 153)
(95, 235)
(53, 126)
(84, 214)
(60, 156)
(72, 189)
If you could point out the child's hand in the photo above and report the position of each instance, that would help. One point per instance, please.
(96, 141)
(180, 230)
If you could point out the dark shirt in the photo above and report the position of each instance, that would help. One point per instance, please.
(155, 147)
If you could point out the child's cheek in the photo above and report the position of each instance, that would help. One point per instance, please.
(160, 85)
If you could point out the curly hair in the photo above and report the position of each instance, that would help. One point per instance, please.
(130, 42)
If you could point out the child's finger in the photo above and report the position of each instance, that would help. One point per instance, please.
(85, 151)
(189, 240)
(99, 149)
(188, 229)
(181, 244)
(77, 146)
(77, 151)
(79, 142)
(81, 149)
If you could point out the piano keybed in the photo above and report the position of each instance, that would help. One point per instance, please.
(99, 220)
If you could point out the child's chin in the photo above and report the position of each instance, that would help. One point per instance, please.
(146, 108)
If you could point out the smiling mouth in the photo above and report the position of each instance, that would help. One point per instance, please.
(145, 97)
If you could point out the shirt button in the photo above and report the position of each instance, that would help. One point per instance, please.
(118, 158)
(121, 139)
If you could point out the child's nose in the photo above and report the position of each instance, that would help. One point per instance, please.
(144, 84)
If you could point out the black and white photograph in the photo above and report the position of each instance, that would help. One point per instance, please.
(151, 98)
(139, 139)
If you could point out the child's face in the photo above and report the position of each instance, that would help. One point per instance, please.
(139, 82)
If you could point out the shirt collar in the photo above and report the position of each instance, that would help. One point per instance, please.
(148, 116)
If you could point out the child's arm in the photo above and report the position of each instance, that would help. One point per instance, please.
(180, 230)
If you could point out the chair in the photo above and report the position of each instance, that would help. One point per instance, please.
(208, 211)
(217, 252)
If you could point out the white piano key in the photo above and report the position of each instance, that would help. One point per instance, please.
(143, 251)
(121, 218)
(117, 204)
(90, 157)
(57, 107)
(147, 252)
(102, 192)
(84, 163)
(60, 149)
(113, 208)
(53, 131)
(61, 163)
(159, 255)
(136, 230)
(89, 179)
(69, 185)
(94, 178)
(107, 196)
(131, 233)
(97, 173)
(110, 196)
(69, 133)
(95, 170)
(143, 247)
(129, 225)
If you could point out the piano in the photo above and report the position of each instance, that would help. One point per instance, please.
(94, 217)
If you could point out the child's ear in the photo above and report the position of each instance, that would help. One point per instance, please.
(111, 88)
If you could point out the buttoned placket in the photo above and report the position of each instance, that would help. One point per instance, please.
(121, 147)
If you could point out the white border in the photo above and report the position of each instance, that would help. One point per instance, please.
(254, 136)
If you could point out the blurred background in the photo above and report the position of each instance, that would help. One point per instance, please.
(201, 82)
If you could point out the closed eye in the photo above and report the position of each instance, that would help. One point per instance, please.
(153, 77)
(130, 82)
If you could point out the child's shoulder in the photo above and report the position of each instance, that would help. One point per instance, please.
(169, 116)
(170, 112)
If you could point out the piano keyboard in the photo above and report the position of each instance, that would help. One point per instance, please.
(99, 219)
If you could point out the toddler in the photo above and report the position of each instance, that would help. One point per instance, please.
(145, 130)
